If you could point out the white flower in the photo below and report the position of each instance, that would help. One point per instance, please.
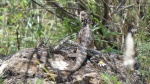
(101, 63)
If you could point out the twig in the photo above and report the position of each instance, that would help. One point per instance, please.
(62, 10)
(114, 12)
(118, 7)
(47, 9)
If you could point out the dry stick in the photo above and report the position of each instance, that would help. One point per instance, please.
(18, 41)
(29, 63)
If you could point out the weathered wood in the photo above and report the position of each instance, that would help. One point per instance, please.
(28, 65)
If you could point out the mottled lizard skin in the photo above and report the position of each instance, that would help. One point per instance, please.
(85, 38)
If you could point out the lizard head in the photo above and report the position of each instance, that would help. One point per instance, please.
(84, 17)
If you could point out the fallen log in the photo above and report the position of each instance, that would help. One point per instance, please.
(47, 64)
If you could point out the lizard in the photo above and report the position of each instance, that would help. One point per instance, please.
(85, 38)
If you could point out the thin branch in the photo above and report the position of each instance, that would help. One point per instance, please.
(61, 9)
(82, 5)
(118, 7)
(106, 13)
(47, 9)
(126, 7)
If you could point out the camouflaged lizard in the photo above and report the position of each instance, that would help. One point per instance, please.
(85, 38)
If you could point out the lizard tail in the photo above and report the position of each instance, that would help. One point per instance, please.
(79, 61)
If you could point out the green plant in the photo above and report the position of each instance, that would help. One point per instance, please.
(110, 79)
